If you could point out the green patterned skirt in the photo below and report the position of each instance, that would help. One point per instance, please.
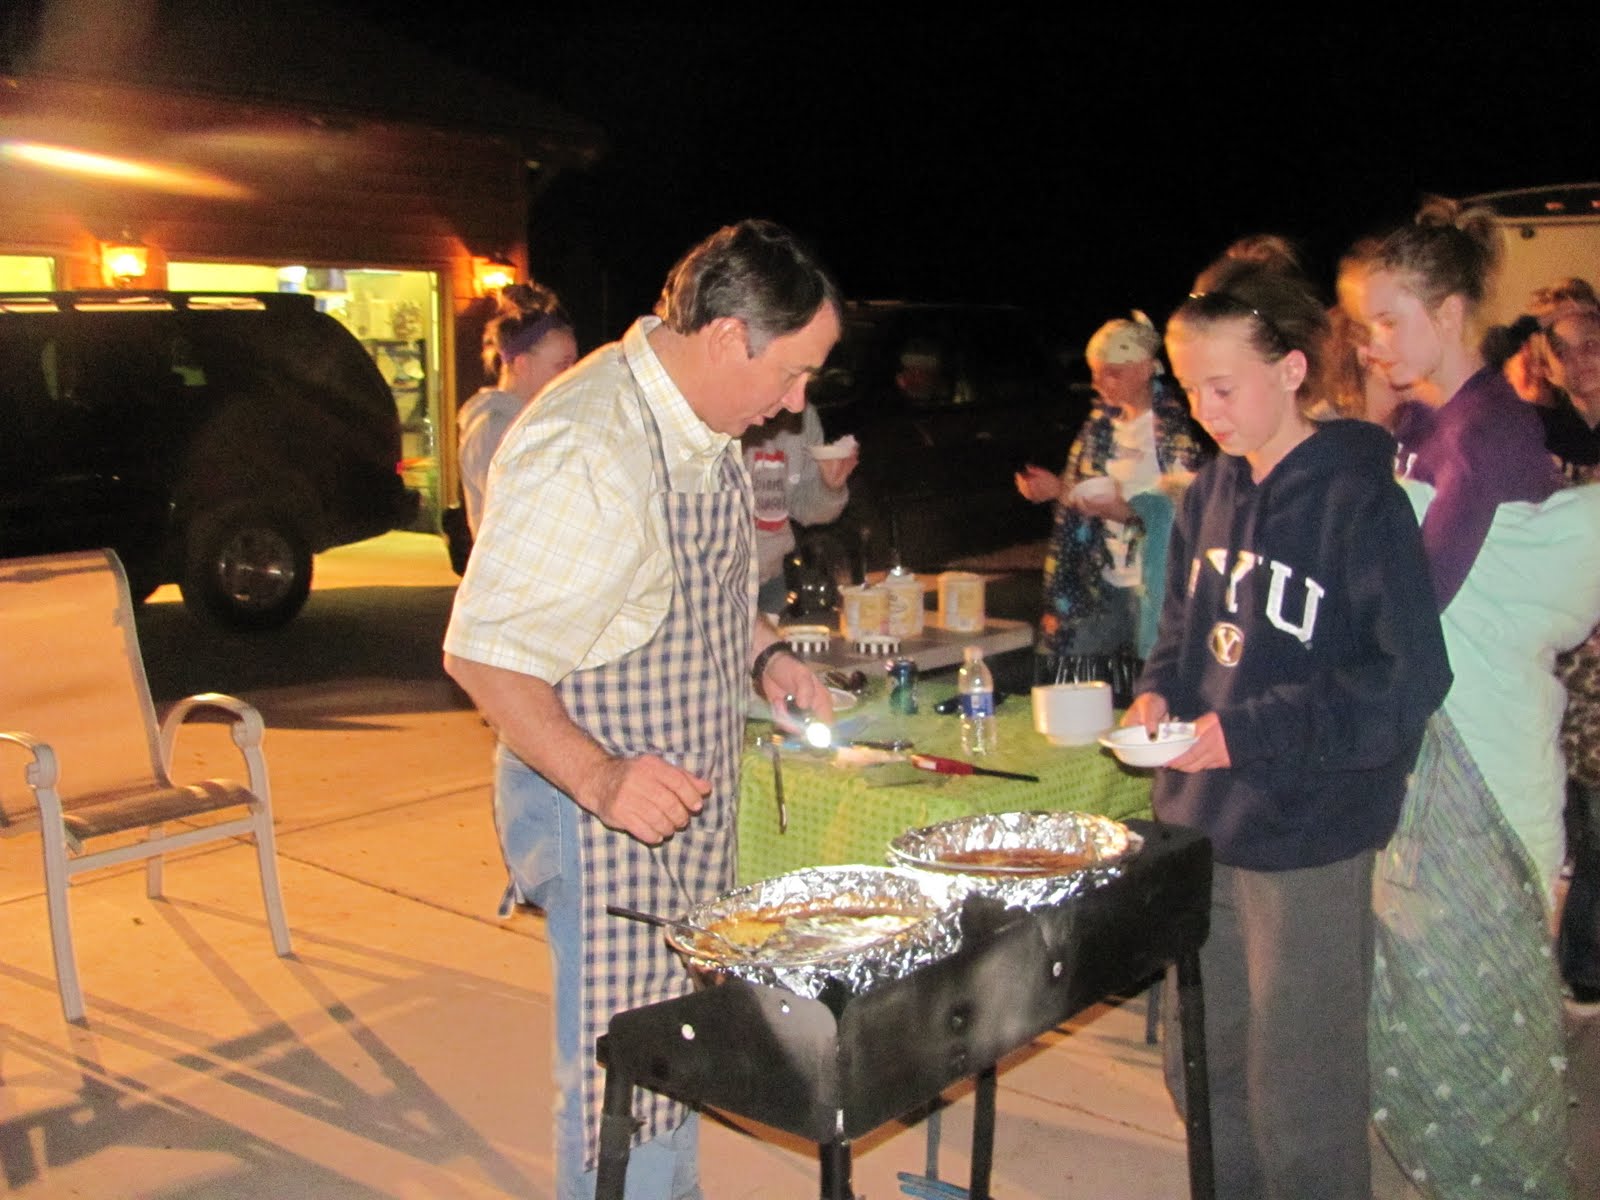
(1468, 1056)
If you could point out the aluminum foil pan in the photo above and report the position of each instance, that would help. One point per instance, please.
(861, 926)
(1026, 859)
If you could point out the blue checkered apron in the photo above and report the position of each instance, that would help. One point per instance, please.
(682, 693)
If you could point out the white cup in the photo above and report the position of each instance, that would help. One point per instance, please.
(961, 601)
(863, 612)
(1096, 487)
(1072, 714)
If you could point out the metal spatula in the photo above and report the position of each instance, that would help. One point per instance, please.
(635, 914)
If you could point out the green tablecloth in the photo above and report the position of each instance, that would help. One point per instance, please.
(835, 816)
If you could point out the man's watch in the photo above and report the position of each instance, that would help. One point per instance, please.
(758, 668)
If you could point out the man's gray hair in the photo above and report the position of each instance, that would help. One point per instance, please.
(756, 271)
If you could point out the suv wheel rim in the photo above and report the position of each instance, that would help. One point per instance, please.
(256, 568)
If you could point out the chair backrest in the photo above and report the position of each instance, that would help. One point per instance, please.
(71, 675)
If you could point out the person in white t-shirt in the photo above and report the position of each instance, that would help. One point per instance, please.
(526, 345)
(791, 487)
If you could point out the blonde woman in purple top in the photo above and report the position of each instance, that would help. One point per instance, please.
(1465, 1034)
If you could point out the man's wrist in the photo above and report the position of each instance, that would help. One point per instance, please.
(758, 668)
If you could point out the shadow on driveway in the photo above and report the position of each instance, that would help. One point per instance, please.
(350, 633)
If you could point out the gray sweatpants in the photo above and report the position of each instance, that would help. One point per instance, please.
(1287, 974)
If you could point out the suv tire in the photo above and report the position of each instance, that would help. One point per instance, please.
(247, 568)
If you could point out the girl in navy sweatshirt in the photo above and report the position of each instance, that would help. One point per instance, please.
(1300, 634)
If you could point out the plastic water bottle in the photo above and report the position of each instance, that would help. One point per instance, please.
(975, 689)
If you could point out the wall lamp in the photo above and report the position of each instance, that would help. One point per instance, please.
(493, 273)
(123, 261)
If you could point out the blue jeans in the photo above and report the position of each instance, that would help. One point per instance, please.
(538, 829)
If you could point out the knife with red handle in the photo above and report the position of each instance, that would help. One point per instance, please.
(954, 766)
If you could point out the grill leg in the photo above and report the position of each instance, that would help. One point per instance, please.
(983, 1100)
(835, 1159)
(1152, 1010)
(616, 1134)
(1192, 1019)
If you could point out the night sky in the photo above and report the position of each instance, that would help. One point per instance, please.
(1075, 166)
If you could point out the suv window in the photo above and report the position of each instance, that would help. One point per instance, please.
(212, 441)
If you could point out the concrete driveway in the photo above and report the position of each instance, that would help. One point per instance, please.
(402, 1050)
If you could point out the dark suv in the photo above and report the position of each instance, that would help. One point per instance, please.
(213, 440)
(948, 401)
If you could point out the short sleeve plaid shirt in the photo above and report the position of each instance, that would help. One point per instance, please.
(571, 567)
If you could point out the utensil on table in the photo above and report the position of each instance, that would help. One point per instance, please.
(660, 922)
(955, 766)
(774, 742)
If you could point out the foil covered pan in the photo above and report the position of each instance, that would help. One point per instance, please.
(1026, 859)
(861, 926)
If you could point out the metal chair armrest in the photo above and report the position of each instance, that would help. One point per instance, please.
(246, 730)
(41, 775)
(42, 771)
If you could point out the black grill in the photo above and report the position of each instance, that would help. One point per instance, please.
(835, 1068)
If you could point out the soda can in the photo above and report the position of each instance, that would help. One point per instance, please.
(902, 685)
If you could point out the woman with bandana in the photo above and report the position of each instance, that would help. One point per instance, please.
(1105, 567)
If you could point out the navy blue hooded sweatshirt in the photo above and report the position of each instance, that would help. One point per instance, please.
(1300, 611)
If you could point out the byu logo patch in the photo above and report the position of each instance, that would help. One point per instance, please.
(1227, 643)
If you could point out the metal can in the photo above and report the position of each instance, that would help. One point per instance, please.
(902, 685)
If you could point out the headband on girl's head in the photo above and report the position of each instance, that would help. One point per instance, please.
(1224, 304)
(528, 336)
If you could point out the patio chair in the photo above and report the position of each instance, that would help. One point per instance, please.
(73, 695)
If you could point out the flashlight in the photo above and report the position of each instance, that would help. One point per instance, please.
(814, 733)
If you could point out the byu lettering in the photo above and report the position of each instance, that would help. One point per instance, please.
(1278, 589)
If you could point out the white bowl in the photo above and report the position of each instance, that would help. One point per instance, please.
(843, 448)
(1136, 748)
(1096, 487)
(1072, 714)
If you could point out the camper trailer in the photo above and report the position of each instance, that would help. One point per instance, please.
(1551, 233)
